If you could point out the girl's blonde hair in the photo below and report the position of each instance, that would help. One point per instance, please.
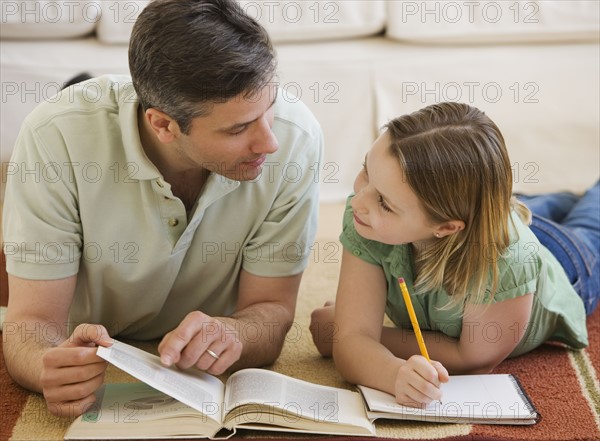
(455, 160)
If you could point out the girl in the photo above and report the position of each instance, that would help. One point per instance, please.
(433, 205)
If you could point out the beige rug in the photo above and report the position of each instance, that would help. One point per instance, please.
(562, 384)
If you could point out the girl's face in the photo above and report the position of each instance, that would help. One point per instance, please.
(385, 207)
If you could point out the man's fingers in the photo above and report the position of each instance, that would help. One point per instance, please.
(71, 409)
(75, 391)
(195, 353)
(66, 356)
(88, 335)
(230, 355)
(172, 345)
(72, 374)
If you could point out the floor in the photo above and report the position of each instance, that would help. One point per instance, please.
(330, 220)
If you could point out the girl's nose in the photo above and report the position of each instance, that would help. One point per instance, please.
(357, 202)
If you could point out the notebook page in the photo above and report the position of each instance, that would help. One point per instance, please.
(463, 397)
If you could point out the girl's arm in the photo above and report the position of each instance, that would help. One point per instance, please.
(489, 334)
(357, 350)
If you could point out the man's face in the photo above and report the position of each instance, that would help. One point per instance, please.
(234, 138)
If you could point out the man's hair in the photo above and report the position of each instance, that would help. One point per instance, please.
(185, 55)
(455, 160)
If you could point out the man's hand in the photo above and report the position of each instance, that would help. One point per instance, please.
(72, 372)
(201, 341)
(418, 381)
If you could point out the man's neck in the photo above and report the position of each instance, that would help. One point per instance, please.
(186, 183)
(151, 145)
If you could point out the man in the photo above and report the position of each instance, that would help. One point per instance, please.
(181, 207)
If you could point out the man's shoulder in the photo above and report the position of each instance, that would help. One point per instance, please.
(94, 95)
(292, 114)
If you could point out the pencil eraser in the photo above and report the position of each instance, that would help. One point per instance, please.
(400, 279)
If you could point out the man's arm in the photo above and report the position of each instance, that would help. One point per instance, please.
(252, 336)
(39, 354)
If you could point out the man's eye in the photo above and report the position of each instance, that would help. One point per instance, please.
(238, 130)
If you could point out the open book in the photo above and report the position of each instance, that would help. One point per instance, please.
(172, 403)
(474, 399)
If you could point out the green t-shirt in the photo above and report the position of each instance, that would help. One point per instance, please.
(557, 314)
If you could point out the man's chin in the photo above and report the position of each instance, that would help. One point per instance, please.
(243, 173)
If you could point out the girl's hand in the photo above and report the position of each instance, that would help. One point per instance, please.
(322, 327)
(418, 381)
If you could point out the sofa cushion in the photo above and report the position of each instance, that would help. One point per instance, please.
(286, 21)
(522, 21)
(42, 19)
(298, 21)
(117, 20)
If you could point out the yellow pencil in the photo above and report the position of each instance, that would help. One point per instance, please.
(413, 318)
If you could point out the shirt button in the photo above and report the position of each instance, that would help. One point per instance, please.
(173, 222)
(159, 183)
(356, 252)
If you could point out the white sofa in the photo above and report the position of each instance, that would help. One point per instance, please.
(533, 66)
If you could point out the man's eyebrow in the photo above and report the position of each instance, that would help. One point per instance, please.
(242, 124)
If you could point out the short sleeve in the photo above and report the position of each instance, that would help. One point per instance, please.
(520, 267)
(283, 242)
(41, 226)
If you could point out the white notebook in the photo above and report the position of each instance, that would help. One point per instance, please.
(474, 399)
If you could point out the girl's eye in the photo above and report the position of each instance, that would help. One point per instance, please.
(383, 204)
(364, 167)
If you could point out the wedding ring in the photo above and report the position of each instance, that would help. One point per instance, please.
(212, 354)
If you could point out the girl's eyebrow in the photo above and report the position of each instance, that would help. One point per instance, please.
(387, 200)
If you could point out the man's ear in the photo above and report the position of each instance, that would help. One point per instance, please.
(164, 127)
(448, 228)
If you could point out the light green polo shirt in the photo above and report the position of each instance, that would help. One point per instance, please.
(83, 198)
(558, 313)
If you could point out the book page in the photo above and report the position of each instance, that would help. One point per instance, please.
(137, 410)
(197, 389)
(293, 399)
(464, 397)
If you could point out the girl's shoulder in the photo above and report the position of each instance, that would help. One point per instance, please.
(520, 264)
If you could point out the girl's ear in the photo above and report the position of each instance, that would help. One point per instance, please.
(448, 228)
(164, 127)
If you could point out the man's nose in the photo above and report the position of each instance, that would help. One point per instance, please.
(265, 141)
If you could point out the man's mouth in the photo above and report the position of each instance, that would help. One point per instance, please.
(257, 162)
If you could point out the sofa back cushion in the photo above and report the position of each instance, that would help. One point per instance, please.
(117, 20)
(299, 21)
(523, 21)
(286, 21)
(44, 19)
